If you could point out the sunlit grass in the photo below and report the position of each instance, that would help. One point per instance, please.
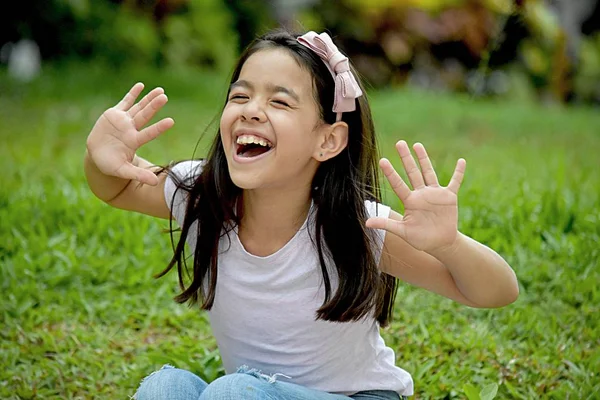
(82, 316)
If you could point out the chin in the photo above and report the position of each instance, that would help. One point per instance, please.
(244, 182)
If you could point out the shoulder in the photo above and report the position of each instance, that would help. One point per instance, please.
(181, 176)
(186, 170)
(183, 173)
(375, 209)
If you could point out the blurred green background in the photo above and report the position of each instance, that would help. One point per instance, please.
(513, 87)
(543, 49)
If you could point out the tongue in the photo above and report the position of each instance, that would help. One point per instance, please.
(253, 151)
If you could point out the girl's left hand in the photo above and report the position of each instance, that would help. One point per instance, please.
(430, 221)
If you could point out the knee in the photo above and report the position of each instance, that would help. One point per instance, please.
(172, 383)
(235, 386)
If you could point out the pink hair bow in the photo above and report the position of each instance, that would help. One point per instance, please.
(346, 87)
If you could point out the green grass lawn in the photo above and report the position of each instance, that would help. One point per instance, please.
(82, 317)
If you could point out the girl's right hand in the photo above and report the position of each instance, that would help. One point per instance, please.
(118, 134)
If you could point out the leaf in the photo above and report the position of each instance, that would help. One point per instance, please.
(471, 392)
(489, 392)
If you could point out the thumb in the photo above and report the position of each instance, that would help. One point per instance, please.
(387, 224)
(130, 171)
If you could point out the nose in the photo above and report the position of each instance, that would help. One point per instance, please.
(253, 111)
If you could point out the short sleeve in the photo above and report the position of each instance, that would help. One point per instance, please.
(186, 172)
(375, 209)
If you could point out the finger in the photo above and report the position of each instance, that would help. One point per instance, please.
(426, 167)
(130, 171)
(146, 114)
(130, 97)
(396, 182)
(414, 174)
(150, 133)
(145, 101)
(388, 224)
(457, 177)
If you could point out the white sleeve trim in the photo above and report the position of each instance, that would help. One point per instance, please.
(176, 200)
(375, 209)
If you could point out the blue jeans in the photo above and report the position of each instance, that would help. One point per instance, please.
(170, 383)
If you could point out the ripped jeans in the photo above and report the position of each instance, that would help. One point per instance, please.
(170, 383)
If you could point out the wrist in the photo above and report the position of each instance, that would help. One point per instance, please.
(450, 250)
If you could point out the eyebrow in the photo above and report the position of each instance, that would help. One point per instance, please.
(270, 87)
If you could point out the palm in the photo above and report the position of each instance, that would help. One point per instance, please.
(430, 219)
(120, 131)
(430, 216)
(118, 144)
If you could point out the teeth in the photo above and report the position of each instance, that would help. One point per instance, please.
(250, 139)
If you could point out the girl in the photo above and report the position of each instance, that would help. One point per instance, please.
(291, 256)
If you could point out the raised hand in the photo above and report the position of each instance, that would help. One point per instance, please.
(118, 134)
(430, 220)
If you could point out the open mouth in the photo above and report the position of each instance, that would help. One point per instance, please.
(252, 146)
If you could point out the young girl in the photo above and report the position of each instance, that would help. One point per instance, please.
(291, 256)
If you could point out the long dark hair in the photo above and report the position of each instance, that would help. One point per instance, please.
(341, 186)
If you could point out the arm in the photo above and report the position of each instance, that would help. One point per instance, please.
(128, 194)
(115, 174)
(468, 273)
(424, 247)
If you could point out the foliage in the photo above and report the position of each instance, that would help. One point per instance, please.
(193, 32)
(82, 316)
(587, 80)
(487, 393)
(201, 36)
(444, 44)
(123, 34)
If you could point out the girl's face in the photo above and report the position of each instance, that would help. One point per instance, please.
(270, 124)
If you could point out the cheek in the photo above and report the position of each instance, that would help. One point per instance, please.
(228, 115)
(298, 141)
(227, 118)
(301, 124)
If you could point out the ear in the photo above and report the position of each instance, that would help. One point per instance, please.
(332, 140)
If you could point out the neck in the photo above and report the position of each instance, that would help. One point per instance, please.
(272, 217)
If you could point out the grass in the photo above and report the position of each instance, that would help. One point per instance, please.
(82, 316)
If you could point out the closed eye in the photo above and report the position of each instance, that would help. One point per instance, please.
(283, 103)
(238, 97)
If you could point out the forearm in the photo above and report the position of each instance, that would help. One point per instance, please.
(107, 187)
(480, 274)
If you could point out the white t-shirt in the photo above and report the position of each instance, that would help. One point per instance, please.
(263, 315)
